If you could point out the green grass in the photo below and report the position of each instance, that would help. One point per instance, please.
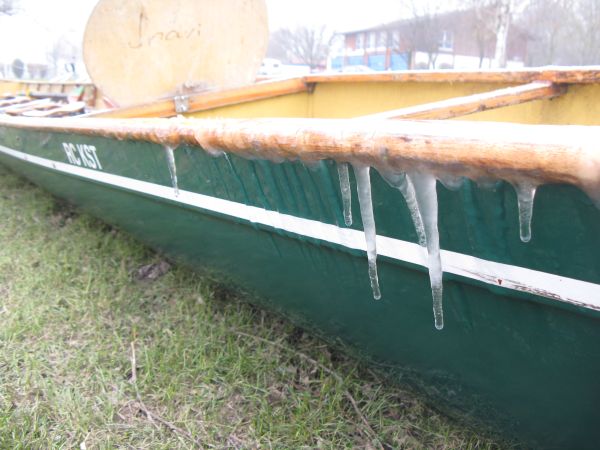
(93, 357)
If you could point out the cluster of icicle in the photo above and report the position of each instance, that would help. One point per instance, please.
(419, 192)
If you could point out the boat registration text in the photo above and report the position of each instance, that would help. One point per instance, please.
(82, 155)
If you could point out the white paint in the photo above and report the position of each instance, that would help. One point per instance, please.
(82, 155)
(554, 287)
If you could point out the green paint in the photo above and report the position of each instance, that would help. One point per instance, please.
(525, 365)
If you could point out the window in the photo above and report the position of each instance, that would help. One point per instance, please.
(360, 44)
(382, 39)
(447, 41)
(395, 39)
(372, 39)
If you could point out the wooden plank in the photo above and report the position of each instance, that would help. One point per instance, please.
(210, 100)
(13, 100)
(461, 106)
(20, 108)
(514, 152)
(140, 51)
(56, 110)
(571, 75)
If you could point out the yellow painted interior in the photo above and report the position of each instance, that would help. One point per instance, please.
(10, 87)
(292, 105)
(580, 105)
(345, 100)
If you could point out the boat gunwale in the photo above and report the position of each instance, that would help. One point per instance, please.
(539, 154)
(283, 86)
(271, 88)
(569, 75)
(556, 74)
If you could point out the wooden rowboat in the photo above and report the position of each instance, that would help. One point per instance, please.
(255, 183)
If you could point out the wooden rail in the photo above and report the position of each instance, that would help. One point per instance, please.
(514, 152)
(211, 100)
(268, 89)
(569, 75)
(461, 106)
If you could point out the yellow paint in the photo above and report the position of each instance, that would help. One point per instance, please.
(580, 105)
(345, 100)
(293, 105)
(10, 87)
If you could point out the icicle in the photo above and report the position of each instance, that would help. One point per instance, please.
(451, 182)
(426, 198)
(363, 187)
(172, 168)
(346, 192)
(401, 182)
(525, 196)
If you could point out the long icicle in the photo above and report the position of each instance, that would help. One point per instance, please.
(363, 187)
(525, 197)
(172, 168)
(426, 197)
(401, 182)
(344, 176)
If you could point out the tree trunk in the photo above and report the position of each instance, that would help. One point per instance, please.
(503, 23)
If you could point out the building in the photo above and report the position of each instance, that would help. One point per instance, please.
(452, 40)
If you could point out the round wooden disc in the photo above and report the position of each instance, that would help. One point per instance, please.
(136, 51)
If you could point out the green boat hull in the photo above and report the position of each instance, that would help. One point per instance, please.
(518, 361)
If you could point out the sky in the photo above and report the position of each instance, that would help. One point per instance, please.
(30, 34)
(338, 14)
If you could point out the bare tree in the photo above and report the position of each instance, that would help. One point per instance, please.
(484, 18)
(18, 68)
(549, 25)
(503, 15)
(424, 30)
(302, 45)
(492, 22)
(562, 31)
(586, 47)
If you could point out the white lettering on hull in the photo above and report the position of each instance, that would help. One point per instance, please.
(82, 155)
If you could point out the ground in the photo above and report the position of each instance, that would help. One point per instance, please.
(105, 344)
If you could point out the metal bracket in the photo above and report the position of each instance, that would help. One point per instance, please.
(182, 104)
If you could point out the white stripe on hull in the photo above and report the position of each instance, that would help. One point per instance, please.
(507, 276)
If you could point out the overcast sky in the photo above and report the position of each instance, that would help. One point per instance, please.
(338, 14)
(30, 34)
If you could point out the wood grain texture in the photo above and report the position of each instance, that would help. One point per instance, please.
(211, 100)
(461, 106)
(10, 100)
(571, 75)
(20, 108)
(207, 100)
(56, 110)
(142, 50)
(517, 153)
